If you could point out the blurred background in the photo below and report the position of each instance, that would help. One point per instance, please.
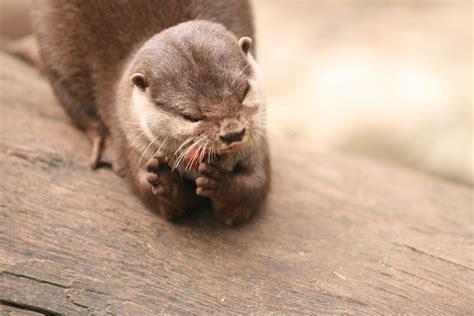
(390, 80)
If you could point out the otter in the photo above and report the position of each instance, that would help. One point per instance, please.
(168, 92)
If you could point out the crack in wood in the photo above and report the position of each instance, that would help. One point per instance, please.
(432, 256)
(419, 278)
(35, 279)
(28, 307)
(77, 304)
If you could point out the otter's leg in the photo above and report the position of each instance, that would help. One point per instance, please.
(103, 148)
(235, 195)
(165, 189)
(96, 135)
(79, 105)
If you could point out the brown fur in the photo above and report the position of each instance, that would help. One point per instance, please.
(195, 70)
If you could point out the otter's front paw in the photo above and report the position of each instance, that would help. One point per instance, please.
(217, 185)
(159, 175)
(208, 182)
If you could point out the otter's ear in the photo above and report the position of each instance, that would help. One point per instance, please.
(139, 80)
(245, 43)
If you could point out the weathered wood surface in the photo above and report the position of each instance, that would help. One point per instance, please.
(337, 235)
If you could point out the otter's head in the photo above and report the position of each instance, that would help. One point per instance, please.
(197, 92)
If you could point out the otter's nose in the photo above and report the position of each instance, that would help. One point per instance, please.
(232, 136)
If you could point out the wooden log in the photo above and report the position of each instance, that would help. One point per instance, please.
(337, 235)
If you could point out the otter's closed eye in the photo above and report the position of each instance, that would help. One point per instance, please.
(188, 115)
(246, 91)
(191, 118)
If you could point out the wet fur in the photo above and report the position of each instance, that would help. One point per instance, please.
(89, 59)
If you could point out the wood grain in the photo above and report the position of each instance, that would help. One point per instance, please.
(337, 235)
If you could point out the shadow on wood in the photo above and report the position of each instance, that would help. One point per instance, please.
(337, 235)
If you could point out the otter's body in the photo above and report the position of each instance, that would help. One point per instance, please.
(160, 88)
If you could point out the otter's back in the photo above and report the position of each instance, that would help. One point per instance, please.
(86, 43)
